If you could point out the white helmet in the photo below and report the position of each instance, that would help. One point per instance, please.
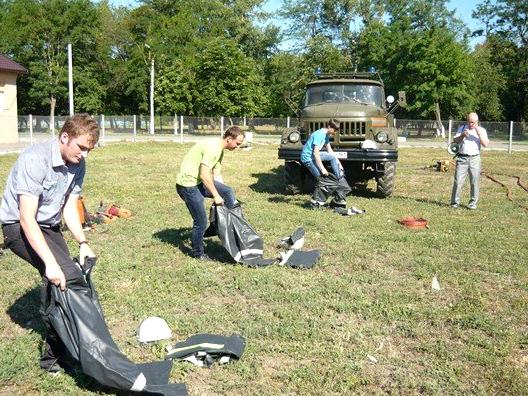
(153, 329)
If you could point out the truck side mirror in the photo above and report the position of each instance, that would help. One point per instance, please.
(402, 99)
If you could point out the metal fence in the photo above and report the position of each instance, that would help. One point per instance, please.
(178, 128)
(430, 128)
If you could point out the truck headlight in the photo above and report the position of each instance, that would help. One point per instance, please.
(294, 137)
(382, 137)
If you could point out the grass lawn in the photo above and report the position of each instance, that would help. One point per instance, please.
(307, 332)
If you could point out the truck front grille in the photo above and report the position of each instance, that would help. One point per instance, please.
(350, 130)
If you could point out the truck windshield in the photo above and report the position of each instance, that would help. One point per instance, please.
(344, 93)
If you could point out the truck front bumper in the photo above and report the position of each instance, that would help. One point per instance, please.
(356, 155)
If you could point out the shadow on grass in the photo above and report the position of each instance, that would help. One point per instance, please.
(271, 182)
(25, 313)
(423, 200)
(280, 199)
(179, 236)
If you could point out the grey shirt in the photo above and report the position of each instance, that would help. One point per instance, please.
(41, 172)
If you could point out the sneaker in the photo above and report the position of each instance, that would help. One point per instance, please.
(203, 257)
(454, 206)
(355, 210)
(54, 370)
(338, 204)
(472, 206)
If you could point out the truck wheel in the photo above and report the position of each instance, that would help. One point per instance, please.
(386, 181)
(293, 177)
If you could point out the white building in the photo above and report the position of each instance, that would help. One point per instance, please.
(9, 71)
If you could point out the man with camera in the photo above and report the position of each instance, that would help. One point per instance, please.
(470, 138)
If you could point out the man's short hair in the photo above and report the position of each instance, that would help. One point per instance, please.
(233, 132)
(334, 124)
(81, 124)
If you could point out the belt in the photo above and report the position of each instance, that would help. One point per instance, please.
(53, 227)
(467, 155)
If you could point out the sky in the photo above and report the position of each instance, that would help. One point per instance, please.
(463, 8)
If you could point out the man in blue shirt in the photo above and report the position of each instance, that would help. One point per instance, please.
(312, 157)
(42, 188)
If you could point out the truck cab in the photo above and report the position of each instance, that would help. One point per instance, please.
(367, 141)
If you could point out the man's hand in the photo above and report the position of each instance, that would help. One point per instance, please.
(85, 251)
(55, 275)
(324, 172)
(218, 200)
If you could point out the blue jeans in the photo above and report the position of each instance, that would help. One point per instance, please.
(334, 163)
(194, 200)
(465, 165)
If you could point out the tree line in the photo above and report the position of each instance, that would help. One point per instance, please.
(229, 57)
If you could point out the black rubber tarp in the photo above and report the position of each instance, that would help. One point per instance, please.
(330, 185)
(76, 316)
(237, 236)
(205, 349)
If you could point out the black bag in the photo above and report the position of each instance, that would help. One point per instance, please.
(237, 236)
(327, 186)
(77, 318)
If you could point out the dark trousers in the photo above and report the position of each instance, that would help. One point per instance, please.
(16, 241)
(194, 199)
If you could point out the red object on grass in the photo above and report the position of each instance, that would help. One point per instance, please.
(414, 222)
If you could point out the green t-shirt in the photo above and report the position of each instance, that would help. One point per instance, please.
(209, 153)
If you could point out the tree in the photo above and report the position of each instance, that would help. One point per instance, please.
(419, 51)
(37, 33)
(489, 84)
(284, 84)
(329, 18)
(227, 81)
(175, 87)
(506, 31)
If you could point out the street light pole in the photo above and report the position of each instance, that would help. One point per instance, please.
(152, 96)
(70, 78)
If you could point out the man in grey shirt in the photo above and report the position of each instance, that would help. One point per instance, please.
(44, 186)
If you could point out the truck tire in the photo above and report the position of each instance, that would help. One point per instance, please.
(386, 181)
(293, 177)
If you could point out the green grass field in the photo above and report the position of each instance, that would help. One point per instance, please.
(307, 332)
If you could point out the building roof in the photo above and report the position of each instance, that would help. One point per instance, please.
(7, 64)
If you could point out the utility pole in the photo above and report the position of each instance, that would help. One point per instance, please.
(152, 96)
(70, 78)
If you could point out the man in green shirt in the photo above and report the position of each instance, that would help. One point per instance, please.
(200, 177)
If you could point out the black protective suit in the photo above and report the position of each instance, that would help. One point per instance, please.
(237, 236)
(330, 185)
(205, 349)
(76, 316)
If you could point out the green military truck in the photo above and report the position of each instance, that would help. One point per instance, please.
(367, 142)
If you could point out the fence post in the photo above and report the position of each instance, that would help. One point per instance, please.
(244, 124)
(394, 122)
(181, 129)
(103, 128)
(288, 122)
(30, 129)
(511, 138)
(449, 129)
(135, 129)
(175, 124)
(221, 125)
